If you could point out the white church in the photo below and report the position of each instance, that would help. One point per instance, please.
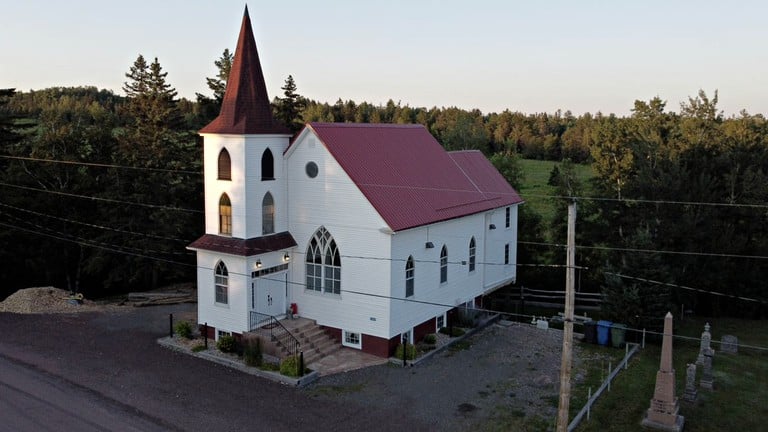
(373, 231)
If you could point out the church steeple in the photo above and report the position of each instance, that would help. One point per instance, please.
(245, 108)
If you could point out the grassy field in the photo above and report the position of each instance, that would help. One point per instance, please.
(535, 189)
(739, 400)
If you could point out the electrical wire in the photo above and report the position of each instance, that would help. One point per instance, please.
(100, 165)
(154, 206)
(658, 251)
(93, 225)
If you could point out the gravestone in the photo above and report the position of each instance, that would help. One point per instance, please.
(705, 348)
(690, 383)
(729, 344)
(664, 409)
(707, 381)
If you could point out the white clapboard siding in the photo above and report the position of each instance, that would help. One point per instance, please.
(232, 317)
(496, 273)
(332, 200)
(246, 190)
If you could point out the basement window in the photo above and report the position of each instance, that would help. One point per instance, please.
(352, 340)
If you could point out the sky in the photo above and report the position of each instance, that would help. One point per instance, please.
(528, 56)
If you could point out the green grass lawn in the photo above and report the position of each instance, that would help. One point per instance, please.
(739, 400)
(535, 189)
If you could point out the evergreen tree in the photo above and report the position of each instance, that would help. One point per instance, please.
(289, 108)
(218, 84)
(164, 156)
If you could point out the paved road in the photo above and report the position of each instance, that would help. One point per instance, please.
(32, 400)
(117, 374)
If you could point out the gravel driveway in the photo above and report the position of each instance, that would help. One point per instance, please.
(115, 354)
(512, 368)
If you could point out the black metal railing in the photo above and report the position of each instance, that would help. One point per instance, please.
(277, 332)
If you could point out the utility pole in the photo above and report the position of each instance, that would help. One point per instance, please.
(566, 363)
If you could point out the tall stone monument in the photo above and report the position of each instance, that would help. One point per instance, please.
(663, 413)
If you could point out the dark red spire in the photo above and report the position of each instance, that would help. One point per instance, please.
(245, 108)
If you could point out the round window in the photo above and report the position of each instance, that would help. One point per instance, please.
(311, 169)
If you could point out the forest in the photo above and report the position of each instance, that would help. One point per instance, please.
(101, 193)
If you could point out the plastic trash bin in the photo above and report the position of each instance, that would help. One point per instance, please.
(618, 332)
(603, 332)
(590, 332)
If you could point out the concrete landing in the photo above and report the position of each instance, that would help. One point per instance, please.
(345, 360)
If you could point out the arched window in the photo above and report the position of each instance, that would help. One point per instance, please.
(225, 215)
(267, 165)
(409, 274)
(323, 263)
(472, 251)
(225, 165)
(221, 282)
(268, 215)
(444, 265)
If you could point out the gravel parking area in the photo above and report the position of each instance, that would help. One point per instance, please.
(506, 367)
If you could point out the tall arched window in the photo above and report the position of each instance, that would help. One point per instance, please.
(323, 263)
(267, 215)
(409, 277)
(444, 264)
(225, 165)
(267, 165)
(221, 282)
(225, 215)
(472, 251)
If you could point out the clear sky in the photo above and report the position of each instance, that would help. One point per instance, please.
(528, 56)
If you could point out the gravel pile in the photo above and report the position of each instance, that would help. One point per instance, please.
(44, 300)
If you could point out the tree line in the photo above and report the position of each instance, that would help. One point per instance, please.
(120, 214)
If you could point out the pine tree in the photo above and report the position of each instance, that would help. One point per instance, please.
(289, 108)
(153, 138)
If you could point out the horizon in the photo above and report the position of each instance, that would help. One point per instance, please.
(591, 57)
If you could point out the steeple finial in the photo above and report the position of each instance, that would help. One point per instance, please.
(245, 108)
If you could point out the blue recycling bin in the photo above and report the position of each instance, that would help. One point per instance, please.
(604, 332)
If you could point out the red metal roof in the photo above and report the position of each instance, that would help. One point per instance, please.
(245, 108)
(409, 178)
(244, 247)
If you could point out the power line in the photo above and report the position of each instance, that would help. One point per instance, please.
(570, 198)
(155, 206)
(93, 225)
(708, 254)
(100, 165)
(647, 201)
(687, 288)
(59, 233)
(84, 243)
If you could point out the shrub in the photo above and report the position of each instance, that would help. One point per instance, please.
(430, 339)
(227, 344)
(410, 352)
(289, 366)
(252, 352)
(456, 331)
(183, 329)
(198, 348)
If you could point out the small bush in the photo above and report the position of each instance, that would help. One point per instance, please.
(289, 366)
(198, 348)
(227, 344)
(184, 329)
(410, 352)
(252, 352)
(456, 331)
(430, 339)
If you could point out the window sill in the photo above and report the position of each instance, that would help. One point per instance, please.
(322, 293)
(221, 305)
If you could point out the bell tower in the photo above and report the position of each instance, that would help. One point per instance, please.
(245, 187)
